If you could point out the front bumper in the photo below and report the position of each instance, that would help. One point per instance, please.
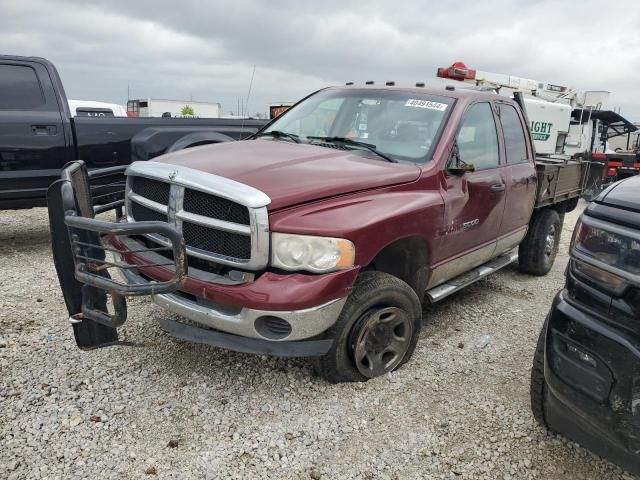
(245, 329)
(592, 375)
(304, 323)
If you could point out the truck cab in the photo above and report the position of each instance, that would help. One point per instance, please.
(322, 235)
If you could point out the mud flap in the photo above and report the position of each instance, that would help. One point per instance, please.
(80, 252)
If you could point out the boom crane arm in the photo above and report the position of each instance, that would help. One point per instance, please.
(546, 91)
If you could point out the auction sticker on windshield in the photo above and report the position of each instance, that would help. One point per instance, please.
(415, 102)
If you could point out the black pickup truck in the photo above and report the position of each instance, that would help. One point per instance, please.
(585, 381)
(38, 134)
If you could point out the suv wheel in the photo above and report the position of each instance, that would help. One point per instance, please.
(538, 250)
(376, 332)
(537, 385)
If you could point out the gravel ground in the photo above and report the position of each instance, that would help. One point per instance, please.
(176, 410)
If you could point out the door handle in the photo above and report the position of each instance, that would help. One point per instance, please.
(44, 129)
(497, 187)
(532, 179)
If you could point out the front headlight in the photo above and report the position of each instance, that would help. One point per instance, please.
(313, 254)
(611, 245)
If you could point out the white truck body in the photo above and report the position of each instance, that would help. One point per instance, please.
(549, 124)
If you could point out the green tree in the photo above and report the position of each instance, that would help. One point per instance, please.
(187, 111)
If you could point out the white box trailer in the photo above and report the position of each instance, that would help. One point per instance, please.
(157, 107)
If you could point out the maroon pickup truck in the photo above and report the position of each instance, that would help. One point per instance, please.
(322, 234)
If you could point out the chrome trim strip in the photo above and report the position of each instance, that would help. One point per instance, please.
(193, 272)
(176, 199)
(259, 238)
(202, 181)
(213, 222)
(150, 204)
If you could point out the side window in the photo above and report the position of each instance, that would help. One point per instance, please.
(514, 139)
(478, 139)
(19, 88)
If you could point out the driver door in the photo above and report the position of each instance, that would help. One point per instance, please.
(474, 202)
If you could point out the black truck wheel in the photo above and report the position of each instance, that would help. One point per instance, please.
(539, 248)
(376, 332)
(537, 385)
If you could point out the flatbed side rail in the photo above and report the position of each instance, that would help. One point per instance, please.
(559, 180)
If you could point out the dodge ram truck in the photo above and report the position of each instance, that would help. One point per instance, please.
(322, 234)
(39, 135)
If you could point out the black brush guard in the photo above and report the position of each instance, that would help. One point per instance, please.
(83, 257)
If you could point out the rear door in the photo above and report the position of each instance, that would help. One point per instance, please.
(520, 176)
(475, 201)
(33, 147)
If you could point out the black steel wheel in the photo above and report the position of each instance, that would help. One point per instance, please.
(380, 340)
(376, 332)
(538, 250)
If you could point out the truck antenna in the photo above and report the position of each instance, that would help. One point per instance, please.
(246, 103)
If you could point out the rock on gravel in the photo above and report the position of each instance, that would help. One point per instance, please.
(175, 410)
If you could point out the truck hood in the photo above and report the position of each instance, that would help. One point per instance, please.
(625, 194)
(291, 173)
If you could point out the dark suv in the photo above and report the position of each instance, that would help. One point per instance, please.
(585, 381)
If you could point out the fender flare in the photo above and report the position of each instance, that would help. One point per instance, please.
(198, 138)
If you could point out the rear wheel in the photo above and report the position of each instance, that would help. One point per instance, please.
(376, 332)
(538, 250)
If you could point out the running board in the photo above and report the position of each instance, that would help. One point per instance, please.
(442, 291)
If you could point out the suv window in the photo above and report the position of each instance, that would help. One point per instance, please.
(478, 139)
(514, 140)
(19, 88)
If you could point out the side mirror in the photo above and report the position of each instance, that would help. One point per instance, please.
(457, 166)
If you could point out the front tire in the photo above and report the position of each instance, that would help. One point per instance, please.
(538, 250)
(376, 331)
(538, 383)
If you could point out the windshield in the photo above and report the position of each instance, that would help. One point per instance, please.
(401, 125)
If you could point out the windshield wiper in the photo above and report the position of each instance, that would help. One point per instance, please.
(279, 134)
(349, 141)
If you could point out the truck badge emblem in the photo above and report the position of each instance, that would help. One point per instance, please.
(173, 175)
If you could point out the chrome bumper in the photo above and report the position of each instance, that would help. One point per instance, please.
(305, 323)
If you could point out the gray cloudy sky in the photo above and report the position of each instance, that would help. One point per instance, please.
(178, 49)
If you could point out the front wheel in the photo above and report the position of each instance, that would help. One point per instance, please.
(538, 250)
(538, 383)
(376, 332)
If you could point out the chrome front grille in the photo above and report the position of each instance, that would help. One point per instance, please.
(221, 220)
(215, 207)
